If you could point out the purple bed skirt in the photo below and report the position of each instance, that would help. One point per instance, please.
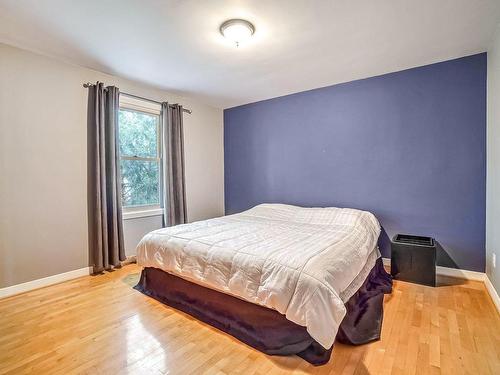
(265, 329)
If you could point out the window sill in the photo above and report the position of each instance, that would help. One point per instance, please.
(142, 213)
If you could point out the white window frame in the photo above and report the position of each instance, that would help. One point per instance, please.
(138, 105)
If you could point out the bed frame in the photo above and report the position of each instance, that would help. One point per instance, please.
(265, 329)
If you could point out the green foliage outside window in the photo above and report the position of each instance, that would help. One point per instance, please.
(140, 167)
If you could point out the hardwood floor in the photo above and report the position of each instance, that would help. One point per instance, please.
(100, 325)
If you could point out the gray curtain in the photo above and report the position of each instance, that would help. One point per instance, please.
(103, 179)
(174, 188)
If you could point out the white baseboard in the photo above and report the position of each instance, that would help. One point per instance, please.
(464, 274)
(55, 279)
(46, 281)
(451, 272)
(493, 293)
(461, 274)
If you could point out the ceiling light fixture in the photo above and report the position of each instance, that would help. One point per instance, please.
(237, 30)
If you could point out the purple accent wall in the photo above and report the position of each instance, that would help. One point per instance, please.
(408, 146)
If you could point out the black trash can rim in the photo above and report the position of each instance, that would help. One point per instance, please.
(411, 239)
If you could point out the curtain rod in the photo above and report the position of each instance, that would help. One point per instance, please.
(88, 84)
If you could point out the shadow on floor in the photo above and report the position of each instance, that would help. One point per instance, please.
(449, 281)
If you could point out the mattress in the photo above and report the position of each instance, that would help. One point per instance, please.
(303, 262)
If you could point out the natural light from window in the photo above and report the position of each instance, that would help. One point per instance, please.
(140, 159)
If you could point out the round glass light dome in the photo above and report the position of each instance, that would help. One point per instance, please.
(236, 30)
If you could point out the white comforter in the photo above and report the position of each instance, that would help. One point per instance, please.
(303, 262)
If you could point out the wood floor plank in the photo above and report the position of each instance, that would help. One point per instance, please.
(100, 325)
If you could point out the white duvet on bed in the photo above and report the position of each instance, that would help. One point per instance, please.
(303, 262)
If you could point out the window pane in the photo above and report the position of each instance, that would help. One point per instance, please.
(138, 134)
(140, 182)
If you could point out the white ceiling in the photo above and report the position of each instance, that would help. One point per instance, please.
(298, 44)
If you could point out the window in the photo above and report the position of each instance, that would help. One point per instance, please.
(140, 156)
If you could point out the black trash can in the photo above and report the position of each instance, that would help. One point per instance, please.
(413, 258)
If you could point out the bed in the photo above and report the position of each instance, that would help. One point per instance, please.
(281, 278)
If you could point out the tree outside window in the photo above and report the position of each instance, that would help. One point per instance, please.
(139, 158)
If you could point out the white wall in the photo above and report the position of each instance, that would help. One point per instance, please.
(43, 203)
(135, 229)
(493, 163)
